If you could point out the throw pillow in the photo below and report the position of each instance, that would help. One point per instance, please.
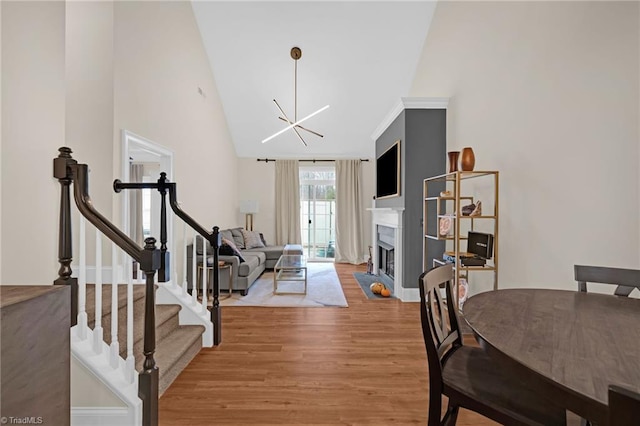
(238, 239)
(251, 239)
(226, 233)
(228, 248)
(263, 240)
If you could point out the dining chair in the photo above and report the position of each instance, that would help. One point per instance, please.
(624, 407)
(467, 375)
(626, 280)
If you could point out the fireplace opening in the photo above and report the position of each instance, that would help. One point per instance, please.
(386, 254)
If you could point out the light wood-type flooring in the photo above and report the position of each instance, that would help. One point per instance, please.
(361, 365)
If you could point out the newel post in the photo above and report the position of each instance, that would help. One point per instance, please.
(148, 379)
(63, 173)
(216, 310)
(164, 273)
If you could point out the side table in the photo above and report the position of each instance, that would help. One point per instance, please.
(221, 265)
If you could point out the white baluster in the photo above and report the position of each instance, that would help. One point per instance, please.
(97, 329)
(184, 261)
(131, 362)
(194, 263)
(82, 282)
(114, 355)
(204, 274)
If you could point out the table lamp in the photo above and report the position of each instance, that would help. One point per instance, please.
(249, 207)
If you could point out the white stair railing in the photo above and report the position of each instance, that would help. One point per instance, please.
(82, 283)
(114, 354)
(97, 328)
(95, 337)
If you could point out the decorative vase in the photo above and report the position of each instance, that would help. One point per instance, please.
(453, 160)
(467, 159)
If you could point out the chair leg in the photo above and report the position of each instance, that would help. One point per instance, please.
(435, 411)
(451, 416)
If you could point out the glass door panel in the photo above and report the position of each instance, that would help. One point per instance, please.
(317, 213)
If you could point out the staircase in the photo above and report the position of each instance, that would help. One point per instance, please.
(176, 345)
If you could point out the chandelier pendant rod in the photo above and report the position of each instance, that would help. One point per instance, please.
(295, 90)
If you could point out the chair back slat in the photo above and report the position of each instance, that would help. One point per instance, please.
(439, 320)
(436, 321)
(626, 280)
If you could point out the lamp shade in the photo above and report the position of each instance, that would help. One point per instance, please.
(249, 206)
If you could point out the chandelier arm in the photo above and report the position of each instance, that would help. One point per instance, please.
(290, 123)
(302, 128)
(299, 136)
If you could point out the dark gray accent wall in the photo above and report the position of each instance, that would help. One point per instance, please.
(395, 131)
(423, 154)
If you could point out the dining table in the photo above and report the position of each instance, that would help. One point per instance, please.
(578, 343)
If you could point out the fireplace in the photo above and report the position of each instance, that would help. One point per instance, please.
(386, 255)
(387, 236)
(386, 250)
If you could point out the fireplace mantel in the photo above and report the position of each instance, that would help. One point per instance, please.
(390, 217)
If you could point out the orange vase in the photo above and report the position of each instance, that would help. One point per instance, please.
(467, 159)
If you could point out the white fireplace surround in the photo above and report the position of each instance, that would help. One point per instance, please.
(392, 217)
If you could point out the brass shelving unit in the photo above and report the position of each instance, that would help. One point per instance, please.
(460, 184)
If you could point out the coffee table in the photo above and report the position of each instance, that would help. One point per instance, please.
(290, 268)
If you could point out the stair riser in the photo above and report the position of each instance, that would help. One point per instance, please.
(169, 375)
(162, 331)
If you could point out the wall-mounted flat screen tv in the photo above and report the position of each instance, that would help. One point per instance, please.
(388, 172)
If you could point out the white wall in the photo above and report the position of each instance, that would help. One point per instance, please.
(33, 116)
(126, 65)
(547, 93)
(256, 181)
(160, 64)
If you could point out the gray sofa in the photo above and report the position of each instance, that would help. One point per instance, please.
(244, 274)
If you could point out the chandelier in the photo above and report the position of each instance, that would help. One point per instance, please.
(296, 53)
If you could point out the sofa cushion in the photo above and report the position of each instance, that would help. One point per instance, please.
(237, 237)
(228, 248)
(226, 233)
(252, 261)
(251, 239)
(271, 252)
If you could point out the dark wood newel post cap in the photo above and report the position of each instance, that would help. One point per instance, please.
(61, 162)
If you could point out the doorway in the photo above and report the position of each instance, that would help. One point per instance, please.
(317, 212)
(145, 159)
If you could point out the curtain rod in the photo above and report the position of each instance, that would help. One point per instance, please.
(266, 160)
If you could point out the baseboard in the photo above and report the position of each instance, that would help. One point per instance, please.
(410, 295)
(100, 416)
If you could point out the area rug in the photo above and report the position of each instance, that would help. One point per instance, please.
(365, 281)
(323, 290)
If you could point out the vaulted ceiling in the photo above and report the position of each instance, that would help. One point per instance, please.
(358, 57)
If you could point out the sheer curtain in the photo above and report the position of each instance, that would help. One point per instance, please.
(288, 202)
(349, 239)
(136, 172)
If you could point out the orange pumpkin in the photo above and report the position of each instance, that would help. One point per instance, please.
(376, 287)
(385, 292)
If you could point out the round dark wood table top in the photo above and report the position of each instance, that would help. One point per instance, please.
(580, 343)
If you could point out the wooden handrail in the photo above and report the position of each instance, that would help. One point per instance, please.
(163, 185)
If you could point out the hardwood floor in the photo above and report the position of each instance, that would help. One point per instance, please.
(361, 365)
